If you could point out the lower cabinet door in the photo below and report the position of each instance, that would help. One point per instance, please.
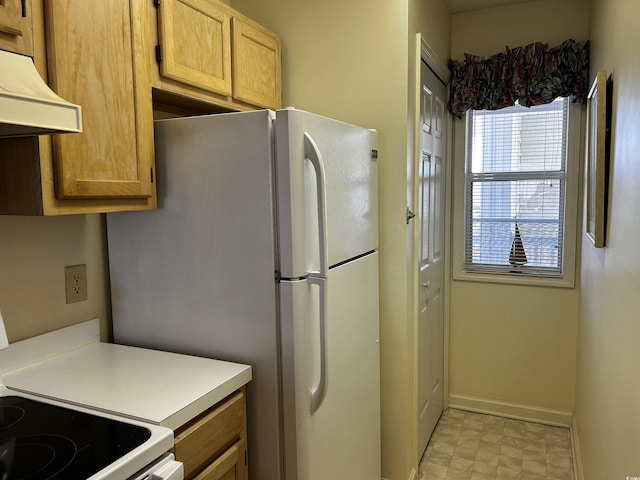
(228, 466)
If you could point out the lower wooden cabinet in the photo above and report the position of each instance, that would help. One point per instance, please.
(213, 445)
(228, 466)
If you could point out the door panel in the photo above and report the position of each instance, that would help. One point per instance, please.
(206, 63)
(351, 190)
(431, 217)
(107, 76)
(341, 439)
(16, 26)
(257, 76)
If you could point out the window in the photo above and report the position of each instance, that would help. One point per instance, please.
(519, 180)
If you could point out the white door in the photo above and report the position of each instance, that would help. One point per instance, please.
(431, 218)
(338, 436)
(313, 150)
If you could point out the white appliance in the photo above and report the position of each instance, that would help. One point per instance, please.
(263, 251)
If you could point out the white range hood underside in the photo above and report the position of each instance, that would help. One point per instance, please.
(27, 104)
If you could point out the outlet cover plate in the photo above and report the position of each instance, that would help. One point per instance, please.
(75, 280)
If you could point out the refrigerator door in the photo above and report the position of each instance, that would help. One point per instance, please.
(341, 438)
(197, 275)
(349, 160)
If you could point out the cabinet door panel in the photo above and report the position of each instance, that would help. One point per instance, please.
(11, 17)
(228, 466)
(95, 62)
(206, 437)
(195, 37)
(256, 65)
(16, 28)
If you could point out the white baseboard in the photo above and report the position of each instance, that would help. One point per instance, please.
(575, 452)
(512, 410)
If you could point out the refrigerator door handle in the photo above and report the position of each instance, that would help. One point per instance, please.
(317, 393)
(312, 153)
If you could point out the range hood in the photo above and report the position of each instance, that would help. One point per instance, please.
(27, 105)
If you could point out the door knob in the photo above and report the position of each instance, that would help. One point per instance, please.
(426, 285)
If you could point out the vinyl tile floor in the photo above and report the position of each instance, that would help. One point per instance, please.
(473, 446)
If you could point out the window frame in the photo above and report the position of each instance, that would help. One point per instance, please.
(572, 218)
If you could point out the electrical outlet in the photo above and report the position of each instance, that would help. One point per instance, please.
(75, 278)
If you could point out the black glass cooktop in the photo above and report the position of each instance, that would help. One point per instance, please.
(39, 441)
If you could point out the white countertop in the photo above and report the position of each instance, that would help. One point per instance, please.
(162, 388)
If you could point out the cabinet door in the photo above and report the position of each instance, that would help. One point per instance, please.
(195, 39)
(16, 29)
(228, 466)
(11, 17)
(256, 65)
(95, 53)
(208, 438)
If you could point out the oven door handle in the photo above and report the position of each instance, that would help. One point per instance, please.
(169, 469)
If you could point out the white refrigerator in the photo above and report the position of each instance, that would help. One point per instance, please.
(264, 251)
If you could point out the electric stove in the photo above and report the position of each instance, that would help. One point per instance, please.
(43, 441)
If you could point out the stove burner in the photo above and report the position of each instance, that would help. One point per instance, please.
(40, 441)
(35, 457)
(9, 416)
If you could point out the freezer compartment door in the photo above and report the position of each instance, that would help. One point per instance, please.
(348, 158)
(340, 437)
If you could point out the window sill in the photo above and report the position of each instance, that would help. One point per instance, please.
(560, 282)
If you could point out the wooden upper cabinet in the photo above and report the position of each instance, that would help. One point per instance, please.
(256, 64)
(194, 38)
(96, 59)
(94, 54)
(16, 26)
(208, 52)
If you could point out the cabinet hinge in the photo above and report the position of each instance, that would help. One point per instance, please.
(151, 172)
(246, 460)
(374, 154)
(24, 8)
(159, 53)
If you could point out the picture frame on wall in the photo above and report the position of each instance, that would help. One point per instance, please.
(596, 161)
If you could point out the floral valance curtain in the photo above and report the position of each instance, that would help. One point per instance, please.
(532, 75)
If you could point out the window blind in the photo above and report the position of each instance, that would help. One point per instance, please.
(515, 181)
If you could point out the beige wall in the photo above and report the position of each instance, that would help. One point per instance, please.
(514, 344)
(431, 18)
(349, 60)
(33, 254)
(608, 380)
(491, 30)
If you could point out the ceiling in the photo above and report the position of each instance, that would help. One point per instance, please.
(457, 6)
